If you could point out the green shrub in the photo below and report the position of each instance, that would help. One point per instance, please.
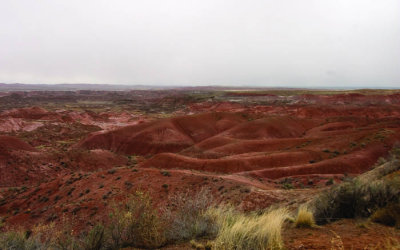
(287, 186)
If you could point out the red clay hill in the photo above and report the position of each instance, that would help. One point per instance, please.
(264, 146)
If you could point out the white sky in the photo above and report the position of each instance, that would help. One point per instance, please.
(297, 43)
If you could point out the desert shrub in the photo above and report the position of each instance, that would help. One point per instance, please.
(112, 171)
(136, 224)
(241, 231)
(165, 173)
(383, 170)
(21, 240)
(57, 238)
(304, 218)
(354, 199)
(187, 218)
(95, 239)
(330, 182)
(287, 186)
(389, 215)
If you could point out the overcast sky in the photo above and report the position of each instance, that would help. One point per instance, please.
(297, 43)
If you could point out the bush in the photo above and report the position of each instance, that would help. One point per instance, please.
(165, 173)
(304, 218)
(20, 240)
(56, 238)
(112, 171)
(136, 224)
(187, 218)
(389, 215)
(240, 231)
(95, 239)
(354, 199)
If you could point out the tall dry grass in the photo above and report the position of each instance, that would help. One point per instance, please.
(387, 244)
(252, 231)
(304, 218)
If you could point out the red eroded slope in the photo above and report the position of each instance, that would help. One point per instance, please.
(234, 164)
(271, 127)
(354, 163)
(167, 135)
(27, 113)
(10, 143)
(269, 147)
(14, 159)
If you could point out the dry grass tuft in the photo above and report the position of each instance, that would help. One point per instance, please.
(240, 231)
(304, 218)
(336, 242)
(196, 245)
(387, 244)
